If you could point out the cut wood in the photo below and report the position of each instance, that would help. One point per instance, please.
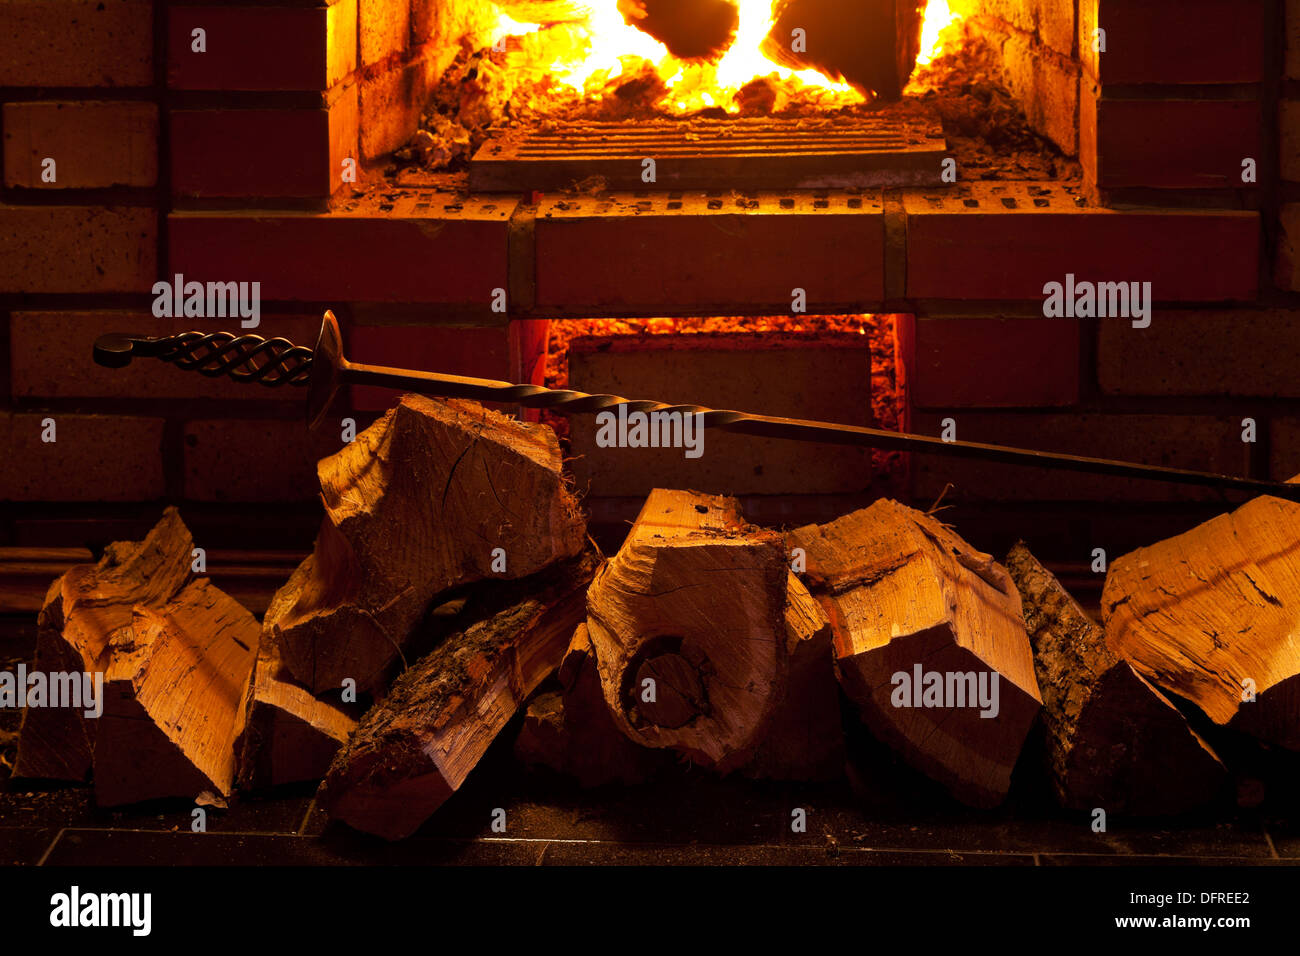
(414, 749)
(870, 44)
(83, 610)
(571, 731)
(690, 29)
(288, 735)
(688, 622)
(806, 738)
(929, 643)
(432, 496)
(174, 690)
(1212, 616)
(1113, 740)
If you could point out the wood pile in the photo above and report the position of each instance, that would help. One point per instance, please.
(453, 601)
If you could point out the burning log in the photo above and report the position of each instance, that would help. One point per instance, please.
(690, 29)
(572, 732)
(83, 610)
(1113, 740)
(174, 692)
(929, 643)
(288, 735)
(1210, 615)
(870, 44)
(414, 749)
(689, 628)
(432, 496)
(806, 738)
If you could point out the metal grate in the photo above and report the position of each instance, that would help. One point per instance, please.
(843, 152)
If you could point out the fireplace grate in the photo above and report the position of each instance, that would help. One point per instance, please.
(713, 154)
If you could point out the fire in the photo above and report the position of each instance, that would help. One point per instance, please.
(587, 54)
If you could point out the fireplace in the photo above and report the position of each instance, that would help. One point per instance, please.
(540, 192)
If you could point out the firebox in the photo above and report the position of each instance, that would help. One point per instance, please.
(879, 214)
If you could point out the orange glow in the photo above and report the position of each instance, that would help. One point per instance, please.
(937, 19)
(585, 55)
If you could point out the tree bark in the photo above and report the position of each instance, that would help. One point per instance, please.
(1113, 740)
(929, 643)
(1210, 615)
(414, 749)
(688, 622)
(434, 495)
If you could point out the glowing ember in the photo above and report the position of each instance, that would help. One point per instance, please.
(585, 55)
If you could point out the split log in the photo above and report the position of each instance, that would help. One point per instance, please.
(1210, 615)
(929, 643)
(690, 29)
(174, 690)
(1113, 740)
(288, 735)
(870, 44)
(83, 610)
(688, 622)
(414, 749)
(806, 737)
(572, 732)
(432, 496)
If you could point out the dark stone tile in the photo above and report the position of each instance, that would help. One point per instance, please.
(21, 846)
(1086, 859)
(612, 854)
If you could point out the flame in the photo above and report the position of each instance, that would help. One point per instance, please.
(587, 54)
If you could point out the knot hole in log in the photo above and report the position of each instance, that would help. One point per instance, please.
(666, 686)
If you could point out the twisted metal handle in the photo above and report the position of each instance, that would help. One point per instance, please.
(244, 358)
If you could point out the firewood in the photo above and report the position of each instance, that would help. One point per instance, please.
(1210, 615)
(414, 749)
(690, 29)
(288, 735)
(83, 610)
(1113, 740)
(688, 622)
(571, 731)
(929, 643)
(806, 738)
(434, 495)
(174, 692)
(870, 44)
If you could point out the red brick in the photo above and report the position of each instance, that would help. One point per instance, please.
(95, 458)
(435, 255)
(50, 357)
(992, 252)
(990, 362)
(1287, 272)
(76, 43)
(480, 352)
(1202, 353)
(299, 152)
(77, 248)
(1174, 41)
(808, 376)
(599, 257)
(391, 102)
(262, 48)
(1047, 86)
(385, 28)
(1293, 39)
(1284, 448)
(1171, 144)
(1289, 121)
(255, 460)
(1198, 442)
(93, 144)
